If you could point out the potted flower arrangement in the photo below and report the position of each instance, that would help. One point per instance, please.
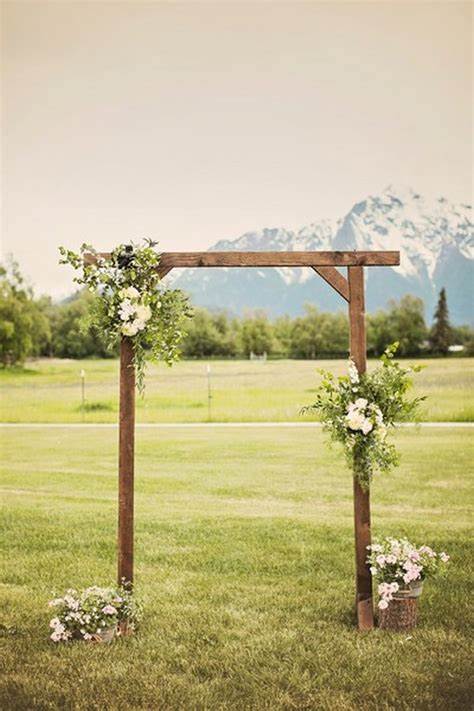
(400, 568)
(95, 614)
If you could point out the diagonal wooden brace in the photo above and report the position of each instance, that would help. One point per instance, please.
(334, 279)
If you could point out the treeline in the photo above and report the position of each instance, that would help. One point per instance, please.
(39, 327)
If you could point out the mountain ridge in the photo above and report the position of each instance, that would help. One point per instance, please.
(435, 239)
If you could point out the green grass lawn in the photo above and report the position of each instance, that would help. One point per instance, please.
(244, 559)
(242, 391)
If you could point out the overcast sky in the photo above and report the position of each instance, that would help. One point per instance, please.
(190, 122)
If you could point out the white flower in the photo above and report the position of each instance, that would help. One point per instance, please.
(55, 622)
(353, 372)
(376, 547)
(129, 293)
(130, 329)
(367, 426)
(380, 561)
(355, 420)
(126, 310)
(361, 403)
(444, 557)
(56, 602)
(373, 570)
(143, 312)
(378, 415)
(383, 604)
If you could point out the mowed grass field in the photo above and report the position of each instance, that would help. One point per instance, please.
(242, 391)
(244, 560)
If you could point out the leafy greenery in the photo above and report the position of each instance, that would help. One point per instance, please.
(441, 333)
(65, 330)
(245, 563)
(132, 302)
(404, 322)
(359, 409)
(73, 335)
(24, 328)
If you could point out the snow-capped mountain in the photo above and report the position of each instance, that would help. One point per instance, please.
(435, 239)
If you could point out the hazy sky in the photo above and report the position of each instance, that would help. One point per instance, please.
(189, 122)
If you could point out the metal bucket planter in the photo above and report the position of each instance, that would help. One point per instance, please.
(402, 612)
(106, 635)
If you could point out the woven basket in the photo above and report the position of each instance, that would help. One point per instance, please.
(400, 615)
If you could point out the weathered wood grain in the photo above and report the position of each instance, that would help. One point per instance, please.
(271, 259)
(364, 603)
(126, 463)
(335, 279)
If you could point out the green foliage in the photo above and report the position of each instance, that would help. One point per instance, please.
(24, 327)
(404, 322)
(358, 410)
(317, 333)
(72, 333)
(441, 334)
(256, 334)
(210, 335)
(132, 302)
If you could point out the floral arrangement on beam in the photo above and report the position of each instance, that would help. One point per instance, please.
(360, 410)
(132, 301)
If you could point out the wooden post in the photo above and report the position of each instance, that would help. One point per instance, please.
(126, 463)
(364, 605)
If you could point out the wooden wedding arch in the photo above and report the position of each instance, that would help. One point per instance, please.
(352, 290)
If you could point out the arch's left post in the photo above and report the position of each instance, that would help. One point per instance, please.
(126, 463)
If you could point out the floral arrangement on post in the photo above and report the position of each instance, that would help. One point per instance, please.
(401, 567)
(132, 301)
(96, 614)
(359, 411)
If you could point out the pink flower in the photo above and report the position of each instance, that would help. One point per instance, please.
(109, 610)
(383, 604)
(380, 560)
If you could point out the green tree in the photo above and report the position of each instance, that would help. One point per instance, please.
(24, 327)
(71, 334)
(256, 334)
(441, 333)
(282, 328)
(403, 322)
(318, 334)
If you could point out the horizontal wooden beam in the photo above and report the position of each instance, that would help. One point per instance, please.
(334, 279)
(273, 259)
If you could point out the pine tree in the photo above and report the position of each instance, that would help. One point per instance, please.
(441, 334)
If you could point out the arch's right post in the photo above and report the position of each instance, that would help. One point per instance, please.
(358, 350)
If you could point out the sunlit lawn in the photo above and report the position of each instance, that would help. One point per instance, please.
(244, 561)
(50, 391)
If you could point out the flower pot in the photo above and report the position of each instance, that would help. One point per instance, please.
(402, 612)
(106, 635)
(124, 629)
(412, 590)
